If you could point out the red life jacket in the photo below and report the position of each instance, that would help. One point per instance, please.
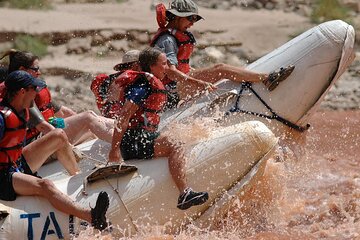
(147, 117)
(43, 102)
(185, 42)
(13, 139)
(100, 87)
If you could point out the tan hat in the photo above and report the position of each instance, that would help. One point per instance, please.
(184, 8)
(128, 58)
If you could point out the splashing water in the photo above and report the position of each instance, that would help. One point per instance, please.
(190, 133)
(310, 189)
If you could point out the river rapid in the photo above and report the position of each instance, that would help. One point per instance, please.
(310, 190)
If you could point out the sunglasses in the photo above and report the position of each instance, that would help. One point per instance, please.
(35, 69)
(192, 18)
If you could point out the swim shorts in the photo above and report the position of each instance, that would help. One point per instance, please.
(7, 191)
(138, 144)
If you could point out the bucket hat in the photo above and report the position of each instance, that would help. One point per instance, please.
(128, 58)
(184, 8)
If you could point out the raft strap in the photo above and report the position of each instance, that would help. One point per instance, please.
(110, 171)
(247, 85)
(106, 172)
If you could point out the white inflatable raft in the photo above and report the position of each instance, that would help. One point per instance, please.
(320, 56)
(146, 196)
(226, 160)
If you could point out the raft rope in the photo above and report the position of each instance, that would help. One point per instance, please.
(236, 109)
(122, 202)
(275, 116)
(114, 189)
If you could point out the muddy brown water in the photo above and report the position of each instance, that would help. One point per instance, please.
(310, 190)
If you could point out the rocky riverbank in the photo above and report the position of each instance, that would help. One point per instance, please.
(85, 39)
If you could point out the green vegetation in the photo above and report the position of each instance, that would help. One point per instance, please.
(325, 10)
(102, 52)
(26, 4)
(31, 44)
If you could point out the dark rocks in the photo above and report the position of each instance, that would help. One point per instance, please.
(79, 45)
(303, 7)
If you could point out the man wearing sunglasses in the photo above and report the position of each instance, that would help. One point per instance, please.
(76, 126)
(178, 43)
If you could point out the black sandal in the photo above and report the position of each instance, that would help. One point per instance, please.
(98, 218)
(275, 78)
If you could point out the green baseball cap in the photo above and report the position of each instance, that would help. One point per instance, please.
(184, 8)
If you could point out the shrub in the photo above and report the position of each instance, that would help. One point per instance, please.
(29, 4)
(325, 10)
(31, 44)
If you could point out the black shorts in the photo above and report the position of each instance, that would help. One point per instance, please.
(30, 140)
(138, 144)
(7, 191)
(173, 97)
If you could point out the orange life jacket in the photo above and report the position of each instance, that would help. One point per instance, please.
(147, 117)
(43, 102)
(185, 42)
(13, 139)
(100, 87)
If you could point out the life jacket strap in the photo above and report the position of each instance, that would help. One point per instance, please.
(23, 126)
(3, 149)
(184, 60)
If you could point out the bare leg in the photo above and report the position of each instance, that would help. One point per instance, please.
(85, 122)
(223, 71)
(31, 186)
(175, 154)
(55, 141)
(176, 158)
(216, 73)
(84, 138)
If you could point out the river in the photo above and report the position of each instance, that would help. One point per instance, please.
(309, 190)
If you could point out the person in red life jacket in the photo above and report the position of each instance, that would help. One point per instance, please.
(19, 163)
(76, 125)
(100, 85)
(136, 136)
(178, 43)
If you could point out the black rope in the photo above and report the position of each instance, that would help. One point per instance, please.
(274, 116)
